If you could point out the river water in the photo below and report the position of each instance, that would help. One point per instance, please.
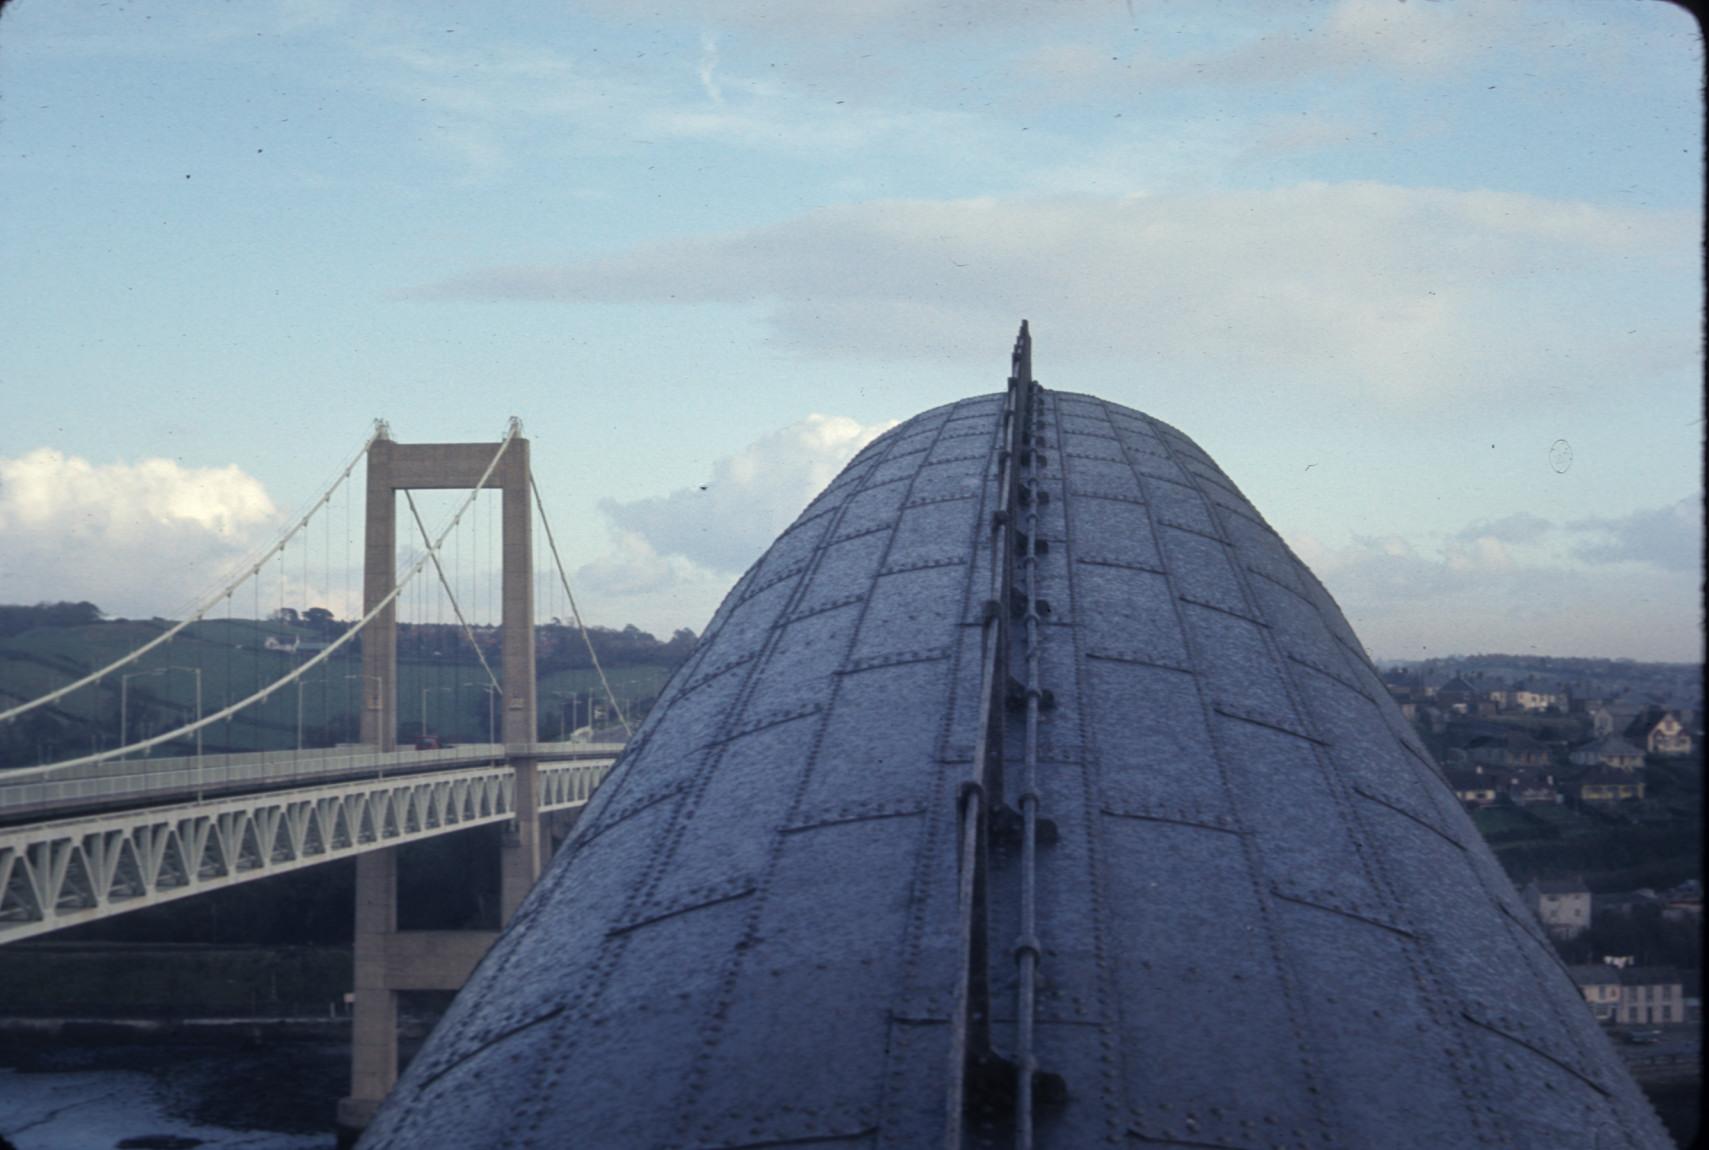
(279, 1094)
(59, 1093)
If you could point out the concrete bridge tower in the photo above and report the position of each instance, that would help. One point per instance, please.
(387, 960)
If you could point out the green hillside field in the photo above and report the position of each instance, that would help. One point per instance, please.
(441, 684)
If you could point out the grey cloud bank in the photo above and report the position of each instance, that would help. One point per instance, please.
(1670, 538)
(1390, 293)
(1591, 587)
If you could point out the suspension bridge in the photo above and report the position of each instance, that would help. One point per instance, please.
(288, 738)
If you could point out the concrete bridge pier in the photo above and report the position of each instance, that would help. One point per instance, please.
(388, 961)
(524, 850)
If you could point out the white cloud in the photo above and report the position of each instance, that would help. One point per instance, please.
(311, 15)
(128, 537)
(728, 522)
(709, 68)
(632, 568)
(1298, 43)
(675, 556)
(476, 104)
(1520, 527)
(805, 127)
(1521, 583)
(832, 22)
(484, 107)
(127, 503)
(1372, 290)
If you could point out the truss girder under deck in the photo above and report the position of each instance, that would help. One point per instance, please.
(60, 873)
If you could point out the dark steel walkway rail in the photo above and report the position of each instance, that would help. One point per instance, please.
(1214, 893)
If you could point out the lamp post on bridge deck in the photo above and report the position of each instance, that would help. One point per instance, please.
(124, 701)
(369, 704)
(492, 693)
(571, 696)
(372, 704)
(424, 694)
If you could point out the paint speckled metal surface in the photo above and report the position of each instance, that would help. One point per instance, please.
(1264, 920)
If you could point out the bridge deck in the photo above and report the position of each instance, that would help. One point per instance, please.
(62, 871)
(133, 782)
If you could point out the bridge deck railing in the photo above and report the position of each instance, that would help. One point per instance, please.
(127, 781)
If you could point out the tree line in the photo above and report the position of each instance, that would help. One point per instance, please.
(559, 645)
(16, 618)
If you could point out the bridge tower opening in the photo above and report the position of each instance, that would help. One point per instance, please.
(394, 467)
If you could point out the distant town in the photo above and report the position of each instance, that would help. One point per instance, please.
(1586, 778)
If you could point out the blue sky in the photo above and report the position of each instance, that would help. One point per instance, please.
(1378, 258)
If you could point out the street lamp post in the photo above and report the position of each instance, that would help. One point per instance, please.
(424, 692)
(373, 704)
(368, 704)
(492, 692)
(379, 688)
(489, 689)
(124, 701)
(301, 683)
(571, 696)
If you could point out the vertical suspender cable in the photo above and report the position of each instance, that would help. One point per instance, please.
(225, 695)
(361, 685)
(291, 742)
(436, 649)
(325, 578)
(255, 652)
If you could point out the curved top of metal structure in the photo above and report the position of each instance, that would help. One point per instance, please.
(1029, 754)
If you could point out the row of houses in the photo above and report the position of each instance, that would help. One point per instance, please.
(1638, 995)
(1617, 992)
(1566, 907)
(1492, 762)
(1481, 785)
(1653, 729)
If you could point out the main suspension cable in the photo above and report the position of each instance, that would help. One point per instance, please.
(251, 568)
(514, 430)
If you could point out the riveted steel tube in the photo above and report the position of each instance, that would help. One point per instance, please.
(970, 1016)
(1027, 946)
